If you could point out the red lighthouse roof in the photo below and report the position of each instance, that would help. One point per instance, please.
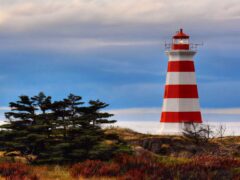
(180, 35)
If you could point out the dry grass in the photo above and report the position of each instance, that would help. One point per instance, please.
(179, 146)
(59, 173)
(228, 146)
(228, 140)
(52, 172)
(128, 134)
(2, 153)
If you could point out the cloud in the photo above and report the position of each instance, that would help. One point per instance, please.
(156, 110)
(3, 108)
(132, 70)
(69, 44)
(223, 111)
(146, 120)
(153, 127)
(130, 111)
(118, 11)
(75, 25)
(154, 113)
(120, 43)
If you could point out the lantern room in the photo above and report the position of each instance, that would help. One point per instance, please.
(180, 41)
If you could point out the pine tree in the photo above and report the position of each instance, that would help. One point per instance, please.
(16, 135)
(62, 131)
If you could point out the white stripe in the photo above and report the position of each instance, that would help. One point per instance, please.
(181, 78)
(173, 128)
(181, 105)
(180, 56)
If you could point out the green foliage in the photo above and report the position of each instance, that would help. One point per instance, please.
(62, 131)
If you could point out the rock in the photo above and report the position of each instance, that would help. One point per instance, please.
(155, 147)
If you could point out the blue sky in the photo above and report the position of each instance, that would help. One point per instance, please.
(114, 51)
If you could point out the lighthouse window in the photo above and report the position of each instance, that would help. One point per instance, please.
(180, 41)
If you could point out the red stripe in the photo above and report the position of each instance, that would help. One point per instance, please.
(180, 46)
(181, 66)
(172, 117)
(181, 91)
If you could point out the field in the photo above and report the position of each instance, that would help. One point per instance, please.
(153, 157)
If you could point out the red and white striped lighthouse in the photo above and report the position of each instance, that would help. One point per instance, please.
(181, 102)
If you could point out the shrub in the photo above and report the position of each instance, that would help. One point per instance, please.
(213, 162)
(134, 174)
(8, 169)
(148, 167)
(207, 167)
(13, 171)
(109, 169)
(87, 168)
(198, 133)
(91, 168)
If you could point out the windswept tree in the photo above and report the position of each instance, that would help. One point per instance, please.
(57, 132)
(15, 135)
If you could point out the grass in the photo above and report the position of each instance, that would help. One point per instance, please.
(178, 145)
(130, 135)
(229, 146)
(52, 172)
(172, 160)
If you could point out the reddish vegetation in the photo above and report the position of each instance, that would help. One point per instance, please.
(143, 167)
(14, 171)
(91, 168)
(139, 167)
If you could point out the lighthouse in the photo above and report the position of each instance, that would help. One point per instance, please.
(181, 101)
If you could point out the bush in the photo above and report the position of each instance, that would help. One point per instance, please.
(87, 168)
(148, 167)
(13, 171)
(197, 133)
(207, 167)
(213, 162)
(134, 174)
(109, 169)
(91, 168)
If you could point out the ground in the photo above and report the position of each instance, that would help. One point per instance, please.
(167, 149)
(179, 146)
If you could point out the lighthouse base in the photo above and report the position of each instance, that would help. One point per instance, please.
(174, 128)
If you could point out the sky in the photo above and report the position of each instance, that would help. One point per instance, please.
(114, 51)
